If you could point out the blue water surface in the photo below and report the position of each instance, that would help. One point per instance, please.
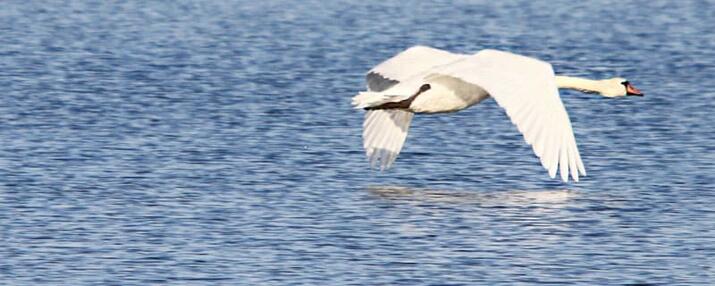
(213, 143)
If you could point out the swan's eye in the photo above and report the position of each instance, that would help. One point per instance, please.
(425, 87)
(626, 83)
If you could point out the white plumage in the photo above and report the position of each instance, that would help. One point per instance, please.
(384, 133)
(428, 80)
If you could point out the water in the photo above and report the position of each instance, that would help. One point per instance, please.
(176, 142)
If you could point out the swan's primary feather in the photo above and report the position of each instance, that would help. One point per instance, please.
(384, 133)
(526, 89)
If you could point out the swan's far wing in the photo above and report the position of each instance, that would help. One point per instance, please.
(384, 133)
(406, 64)
(526, 88)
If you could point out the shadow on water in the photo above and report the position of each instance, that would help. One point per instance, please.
(507, 197)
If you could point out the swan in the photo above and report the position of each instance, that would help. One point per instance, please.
(428, 80)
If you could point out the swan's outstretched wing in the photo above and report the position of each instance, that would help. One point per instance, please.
(526, 89)
(406, 64)
(384, 132)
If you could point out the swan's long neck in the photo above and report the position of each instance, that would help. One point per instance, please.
(580, 84)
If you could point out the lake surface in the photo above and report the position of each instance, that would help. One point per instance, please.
(213, 143)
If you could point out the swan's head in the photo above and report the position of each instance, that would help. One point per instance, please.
(618, 86)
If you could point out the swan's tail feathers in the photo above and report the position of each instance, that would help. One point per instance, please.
(367, 99)
(384, 133)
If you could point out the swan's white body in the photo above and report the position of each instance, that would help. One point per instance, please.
(428, 80)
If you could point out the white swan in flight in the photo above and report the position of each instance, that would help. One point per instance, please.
(428, 80)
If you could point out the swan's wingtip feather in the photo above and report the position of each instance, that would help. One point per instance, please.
(565, 177)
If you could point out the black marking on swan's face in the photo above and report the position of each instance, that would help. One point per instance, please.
(631, 90)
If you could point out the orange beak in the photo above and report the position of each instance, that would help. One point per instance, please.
(632, 90)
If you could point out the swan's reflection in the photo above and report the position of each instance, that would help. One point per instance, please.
(508, 197)
(539, 212)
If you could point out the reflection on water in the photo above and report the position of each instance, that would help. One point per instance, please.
(546, 214)
(509, 197)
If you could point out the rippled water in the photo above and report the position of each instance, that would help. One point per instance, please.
(204, 143)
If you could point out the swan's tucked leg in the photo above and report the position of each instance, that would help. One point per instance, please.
(384, 133)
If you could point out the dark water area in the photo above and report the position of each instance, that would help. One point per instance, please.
(213, 143)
